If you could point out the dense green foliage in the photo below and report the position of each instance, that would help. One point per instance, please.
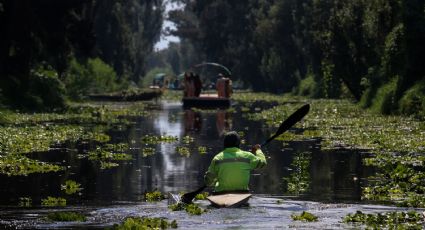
(94, 76)
(372, 49)
(91, 46)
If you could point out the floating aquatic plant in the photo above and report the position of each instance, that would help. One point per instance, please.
(108, 165)
(131, 223)
(154, 196)
(149, 139)
(388, 220)
(102, 154)
(187, 139)
(192, 209)
(392, 140)
(66, 216)
(120, 147)
(179, 206)
(298, 181)
(304, 216)
(18, 165)
(71, 187)
(202, 150)
(202, 196)
(183, 151)
(148, 151)
(53, 201)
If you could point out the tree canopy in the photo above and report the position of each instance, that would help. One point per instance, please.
(366, 49)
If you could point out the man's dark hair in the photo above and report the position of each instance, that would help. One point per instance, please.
(231, 139)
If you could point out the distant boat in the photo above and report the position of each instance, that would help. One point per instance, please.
(206, 101)
(218, 99)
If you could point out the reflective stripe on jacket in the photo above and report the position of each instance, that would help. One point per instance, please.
(230, 170)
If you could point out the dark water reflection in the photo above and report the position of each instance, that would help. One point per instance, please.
(333, 176)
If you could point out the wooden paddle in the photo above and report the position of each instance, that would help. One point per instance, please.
(287, 124)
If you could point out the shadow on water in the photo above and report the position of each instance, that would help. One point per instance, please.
(298, 169)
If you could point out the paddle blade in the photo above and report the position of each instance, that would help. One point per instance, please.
(289, 122)
(188, 197)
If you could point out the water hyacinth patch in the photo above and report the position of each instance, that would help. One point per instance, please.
(202, 150)
(187, 139)
(66, 216)
(154, 196)
(18, 165)
(304, 216)
(183, 151)
(37, 138)
(145, 223)
(192, 209)
(298, 181)
(392, 141)
(148, 151)
(389, 220)
(108, 165)
(102, 154)
(71, 187)
(53, 202)
(177, 206)
(202, 196)
(24, 133)
(149, 139)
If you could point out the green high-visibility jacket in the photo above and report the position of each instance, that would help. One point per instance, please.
(230, 170)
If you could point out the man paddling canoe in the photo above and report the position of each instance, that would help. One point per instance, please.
(230, 170)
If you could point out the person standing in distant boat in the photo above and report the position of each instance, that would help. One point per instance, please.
(189, 86)
(230, 170)
(198, 85)
(224, 86)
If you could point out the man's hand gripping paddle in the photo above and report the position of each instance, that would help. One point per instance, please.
(287, 124)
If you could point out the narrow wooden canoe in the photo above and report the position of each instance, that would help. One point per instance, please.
(230, 200)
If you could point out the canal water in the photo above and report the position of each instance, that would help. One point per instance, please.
(299, 176)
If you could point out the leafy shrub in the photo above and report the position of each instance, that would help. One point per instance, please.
(46, 90)
(385, 99)
(308, 87)
(94, 76)
(413, 100)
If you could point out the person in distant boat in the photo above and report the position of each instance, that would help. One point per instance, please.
(230, 170)
(224, 86)
(189, 86)
(198, 85)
